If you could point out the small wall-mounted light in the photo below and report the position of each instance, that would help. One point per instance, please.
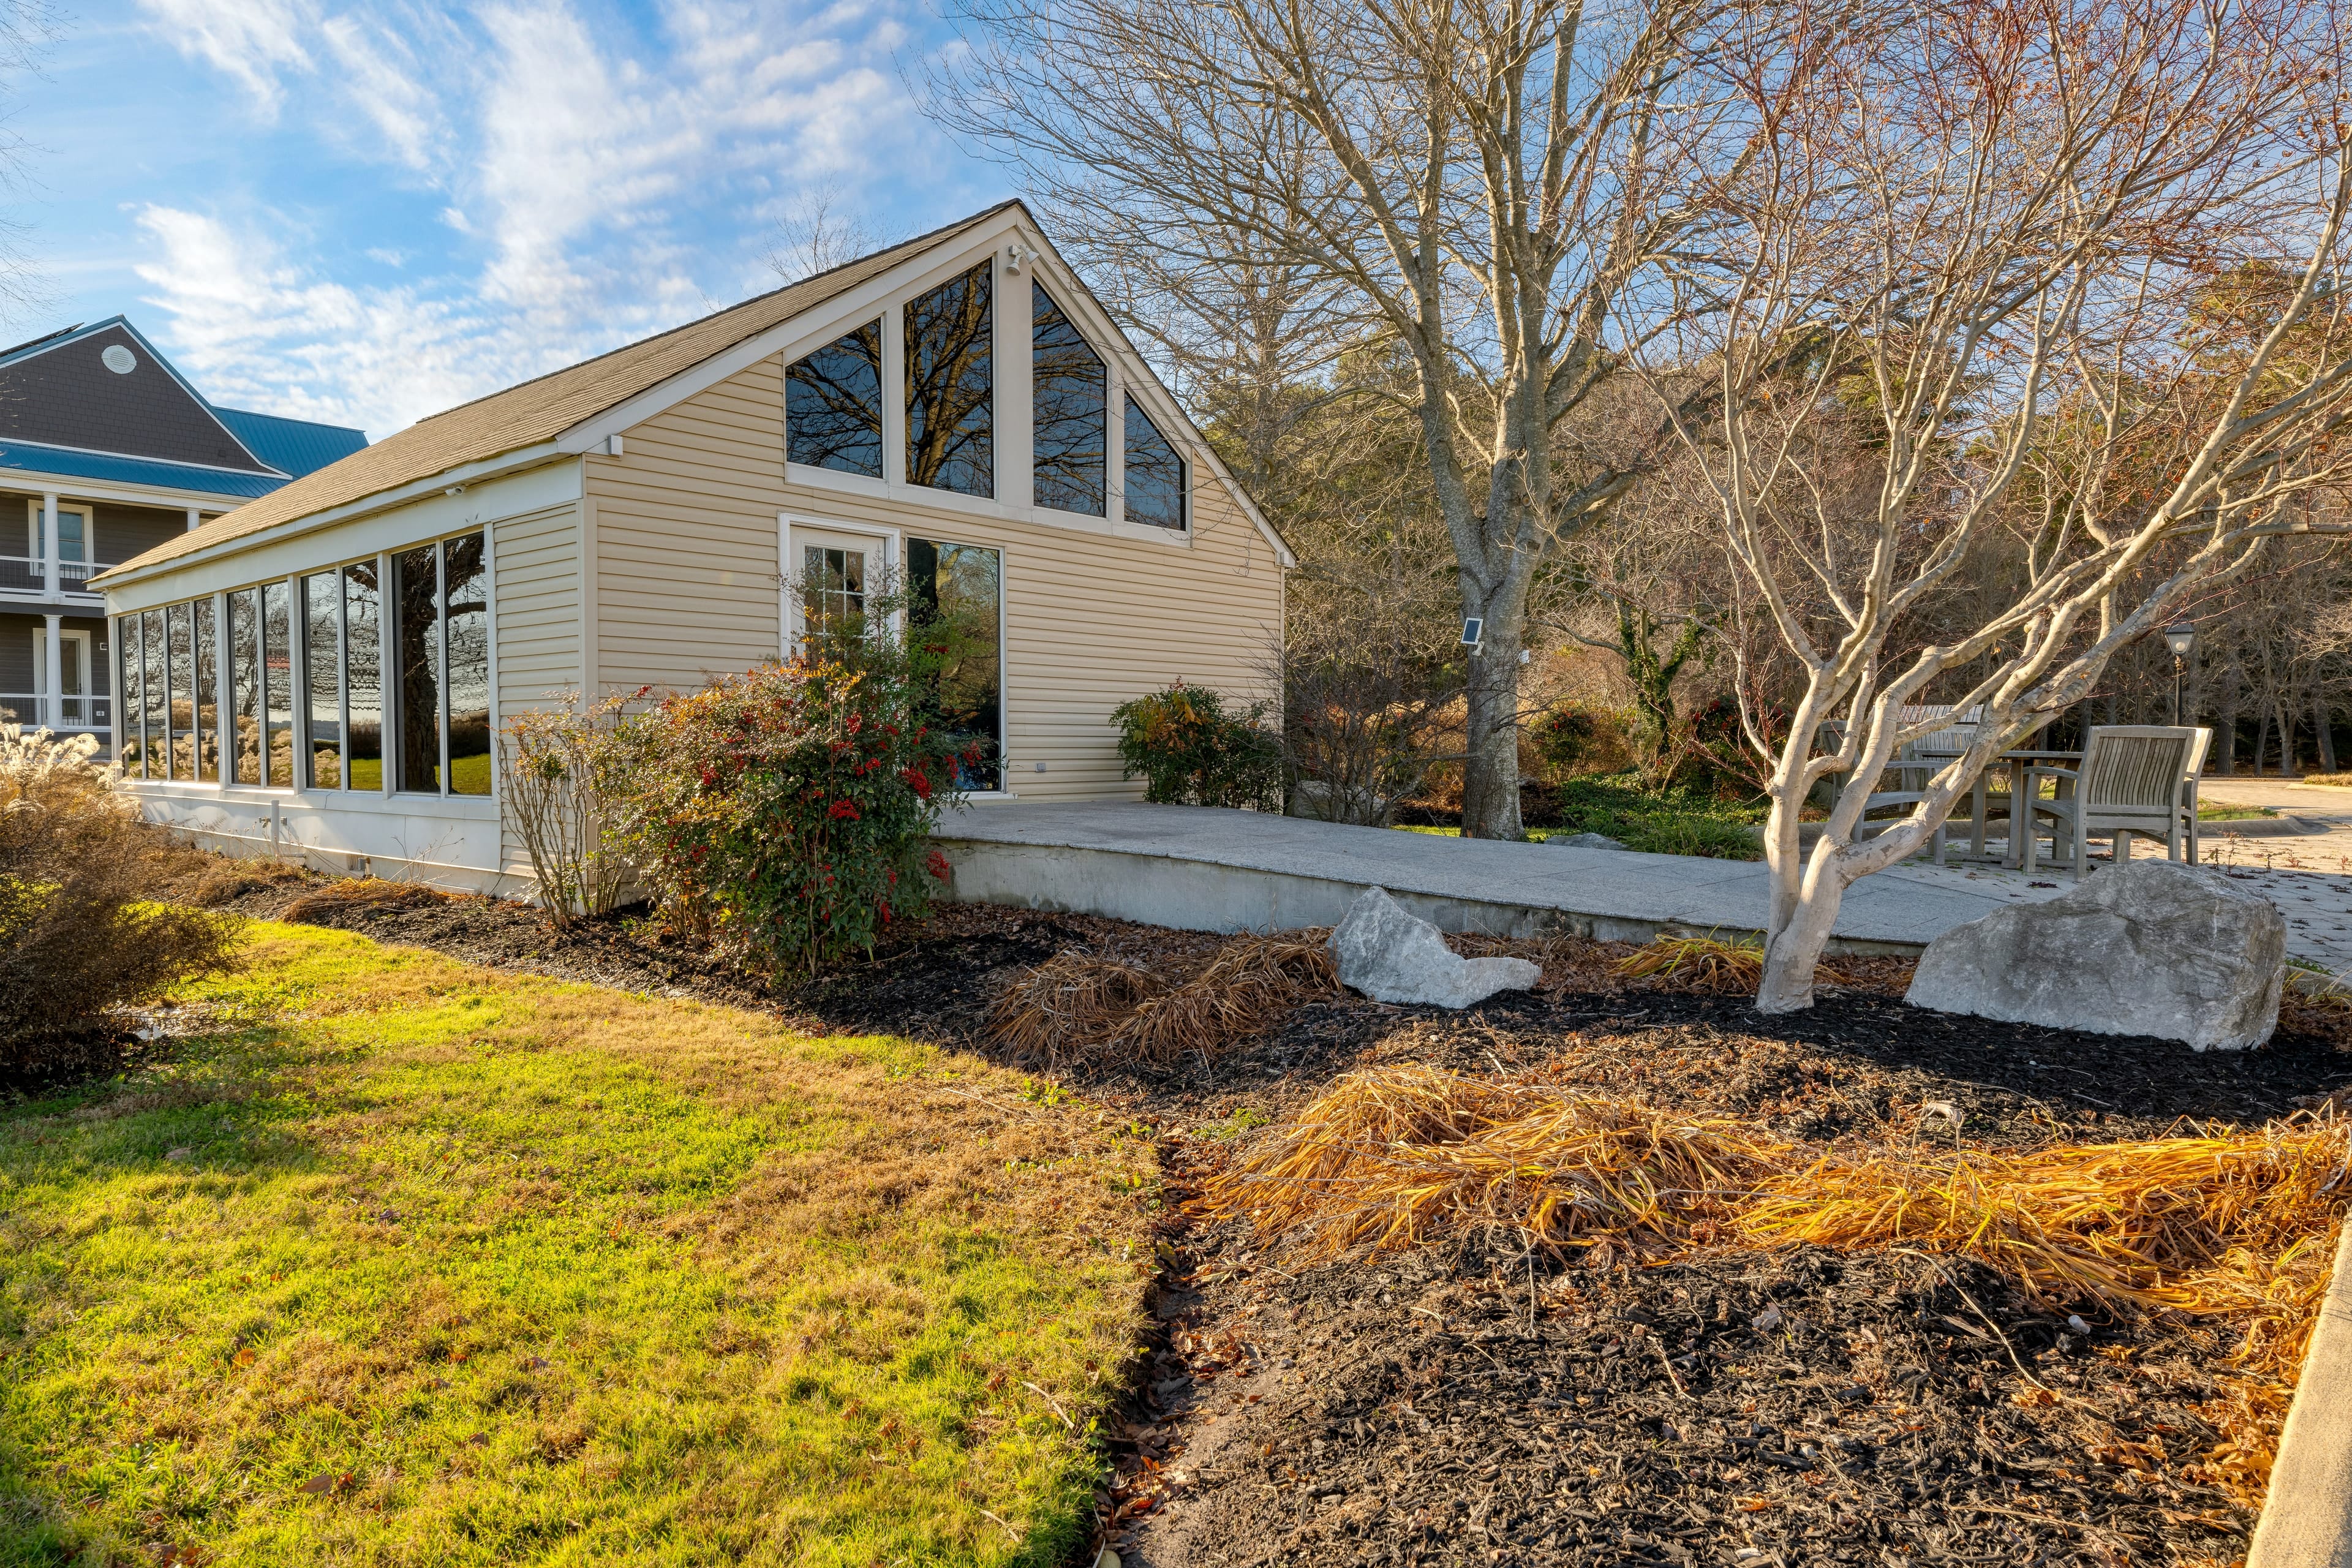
(612, 446)
(2180, 636)
(1018, 256)
(455, 491)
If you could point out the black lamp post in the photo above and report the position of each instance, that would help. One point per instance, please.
(2180, 636)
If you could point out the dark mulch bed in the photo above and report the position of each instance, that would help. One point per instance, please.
(1459, 1406)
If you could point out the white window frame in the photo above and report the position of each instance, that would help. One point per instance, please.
(890, 541)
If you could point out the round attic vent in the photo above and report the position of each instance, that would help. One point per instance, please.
(119, 360)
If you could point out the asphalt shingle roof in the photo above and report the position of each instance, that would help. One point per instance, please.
(538, 410)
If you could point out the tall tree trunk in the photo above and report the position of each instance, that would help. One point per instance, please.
(2286, 737)
(1490, 772)
(2262, 736)
(2321, 721)
(2227, 763)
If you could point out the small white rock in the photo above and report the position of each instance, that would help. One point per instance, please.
(1108, 1559)
(2074, 1321)
(1766, 1321)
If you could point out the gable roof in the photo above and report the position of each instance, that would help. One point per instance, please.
(103, 388)
(542, 409)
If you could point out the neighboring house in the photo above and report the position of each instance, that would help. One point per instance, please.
(106, 452)
(956, 413)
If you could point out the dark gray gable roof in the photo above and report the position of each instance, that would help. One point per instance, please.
(59, 392)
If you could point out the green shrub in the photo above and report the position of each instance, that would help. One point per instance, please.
(1188, 751)
(1671, 821)
(781, 813)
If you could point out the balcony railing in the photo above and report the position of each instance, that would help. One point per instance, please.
(29, 708)
(31, 574)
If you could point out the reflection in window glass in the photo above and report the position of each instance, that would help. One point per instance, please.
(241, 735)
(833, 405)
(467, 631)
(180, 707)
(209, 750)
(365, 673)
(950, 416)
(277, 661)
(833, 591)
(151, 643)
(322, 678)
(416, 625)
(1154, 474)
(132, 708)
(1072, 396)
(954, 592)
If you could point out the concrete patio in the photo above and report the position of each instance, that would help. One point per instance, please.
(1202, 868)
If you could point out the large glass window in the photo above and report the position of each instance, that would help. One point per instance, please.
(132, 707)
(1073, 400)
(465, 622)
(180, 668)
(364, 672)
(278, 662)
(322, 678)
(151, 643)
(833, 404)
(241, 735)
(955, 592)
(950, 408)
(208, 748)
(1154, 474)
(417, 621)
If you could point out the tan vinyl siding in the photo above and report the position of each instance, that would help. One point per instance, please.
(537, 563)
(687, 542)
(686, 537)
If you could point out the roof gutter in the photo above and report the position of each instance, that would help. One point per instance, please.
(492, 467)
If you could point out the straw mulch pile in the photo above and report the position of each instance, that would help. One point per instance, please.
(1087, 1013)
(2230, 1227)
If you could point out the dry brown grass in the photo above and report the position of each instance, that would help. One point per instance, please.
(1396, 1155)
(2233, 1227)
(357, 892)
(1082, 1010)
(1702, 963)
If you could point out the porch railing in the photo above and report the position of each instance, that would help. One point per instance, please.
(31, 574)
(79, 712)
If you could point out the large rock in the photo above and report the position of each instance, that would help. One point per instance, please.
(2153, 947)
(1392, 956)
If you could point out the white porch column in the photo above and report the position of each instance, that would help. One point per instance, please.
(53, 700)
(48, 545)
(195, 518)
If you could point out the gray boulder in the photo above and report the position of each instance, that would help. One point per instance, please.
(1584, 841)
(2153, 947)
(1392, 956)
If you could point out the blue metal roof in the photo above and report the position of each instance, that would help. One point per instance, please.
(105, 467)
(297, 445)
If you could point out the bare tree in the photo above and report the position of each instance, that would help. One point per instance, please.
(1489, 182)
(1999, 230)
(27, 29)
(818, 234)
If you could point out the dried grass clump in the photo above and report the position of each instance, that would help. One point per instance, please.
(1250, 983)
(1702, 964)
(228, 879)
(1394, 1155)
(78, 935)
(1061, 1012)
(354, 893)
(1081, 1010)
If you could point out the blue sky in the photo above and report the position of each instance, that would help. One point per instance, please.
(365, 211)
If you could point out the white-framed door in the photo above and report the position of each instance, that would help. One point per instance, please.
(75, 707)
(833, 572)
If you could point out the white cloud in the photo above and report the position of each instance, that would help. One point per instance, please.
(591, 185)
(252, 41)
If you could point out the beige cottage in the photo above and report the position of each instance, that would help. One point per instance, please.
(323, 669)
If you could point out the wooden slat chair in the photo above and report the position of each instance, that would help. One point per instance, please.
(2134, 778)
(1909, 769)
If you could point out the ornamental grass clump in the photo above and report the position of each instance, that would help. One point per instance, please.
(780, 814)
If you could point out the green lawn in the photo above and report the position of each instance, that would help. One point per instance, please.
(407, 1262)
